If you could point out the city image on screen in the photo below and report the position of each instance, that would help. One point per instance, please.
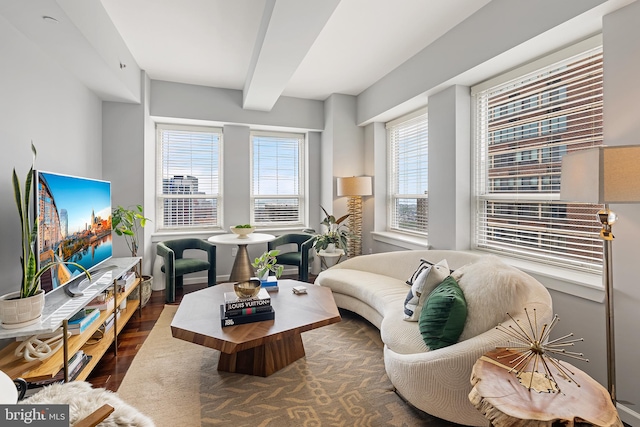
(74, 225)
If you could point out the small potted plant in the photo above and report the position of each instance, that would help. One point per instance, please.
(267, 262)
(127, 222)
(24, 307)
(335, 235)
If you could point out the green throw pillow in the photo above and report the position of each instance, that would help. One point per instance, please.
(443, 315)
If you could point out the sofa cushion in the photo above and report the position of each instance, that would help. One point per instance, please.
(427, 280)
(424, 264)
(491, 289)
(443, 316)
(372, 289)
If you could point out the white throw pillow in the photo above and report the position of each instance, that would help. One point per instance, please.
(491, 289)
(422, 286)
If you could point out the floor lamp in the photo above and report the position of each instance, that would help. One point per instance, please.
(604, 175)
(354, 187)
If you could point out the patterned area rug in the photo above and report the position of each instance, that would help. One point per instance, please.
(340, 382)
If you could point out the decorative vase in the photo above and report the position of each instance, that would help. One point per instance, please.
(16, 312)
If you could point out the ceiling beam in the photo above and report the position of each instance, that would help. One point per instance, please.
(287, 31)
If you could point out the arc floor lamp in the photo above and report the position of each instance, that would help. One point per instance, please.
(354, 187)
(604, 175)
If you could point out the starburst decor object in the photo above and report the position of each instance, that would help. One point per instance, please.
(533, 347)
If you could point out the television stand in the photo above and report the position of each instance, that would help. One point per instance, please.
(73, 289)
(57, 312)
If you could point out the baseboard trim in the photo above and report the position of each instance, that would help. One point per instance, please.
(628, 416)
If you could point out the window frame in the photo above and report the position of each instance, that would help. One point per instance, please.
(160, 197)
(300, 198)
(514, 189)
(393, 196)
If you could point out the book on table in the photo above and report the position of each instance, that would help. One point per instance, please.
(233, 302)
(242, 319)
(271, 284)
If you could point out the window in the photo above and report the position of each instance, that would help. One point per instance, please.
(188, 177)
(277, 179)
(408, 177)
(523, 128)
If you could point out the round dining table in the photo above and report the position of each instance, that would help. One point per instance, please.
(242, 269)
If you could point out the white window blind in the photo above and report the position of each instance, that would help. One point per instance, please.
(523, 129)
(188, 177)
(408, 177)
(277, 181)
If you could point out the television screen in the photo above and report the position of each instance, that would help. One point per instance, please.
(74, 224)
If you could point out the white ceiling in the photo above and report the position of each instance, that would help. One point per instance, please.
(213, 42)
(265, 48)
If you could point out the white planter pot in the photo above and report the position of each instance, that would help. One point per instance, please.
(18, 312)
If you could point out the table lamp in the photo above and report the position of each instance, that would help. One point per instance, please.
(355, 187)
(604, 175)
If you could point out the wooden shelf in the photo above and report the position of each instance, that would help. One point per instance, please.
(50, 367)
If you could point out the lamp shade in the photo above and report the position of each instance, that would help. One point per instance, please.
(354, 186)
(601, 175)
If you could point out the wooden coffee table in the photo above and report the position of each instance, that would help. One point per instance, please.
(259, 348)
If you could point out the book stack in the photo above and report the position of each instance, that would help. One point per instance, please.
(238, 311)
(77, 362)
(78, 326)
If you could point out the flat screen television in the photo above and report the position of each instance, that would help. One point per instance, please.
(74, 224)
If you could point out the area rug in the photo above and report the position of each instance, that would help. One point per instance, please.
(340, 382)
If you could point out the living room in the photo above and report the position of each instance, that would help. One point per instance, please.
(89, 118)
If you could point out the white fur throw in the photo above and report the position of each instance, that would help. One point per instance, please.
(83, 400)
(491, 289)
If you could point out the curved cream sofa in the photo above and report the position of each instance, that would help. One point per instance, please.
(437, 381)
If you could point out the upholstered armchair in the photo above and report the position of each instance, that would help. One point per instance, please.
(300, 257)
(176, 265)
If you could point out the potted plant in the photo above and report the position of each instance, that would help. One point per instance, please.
(267, 262)
(335, 235)
(24, 307)
(127, 222)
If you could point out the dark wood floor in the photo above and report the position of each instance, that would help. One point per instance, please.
(112, 369)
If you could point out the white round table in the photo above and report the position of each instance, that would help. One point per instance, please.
(8, 390)
(242, 269)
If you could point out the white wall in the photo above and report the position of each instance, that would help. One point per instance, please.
(342, 150)
(450, 172)
(43, 103)
(174, 102)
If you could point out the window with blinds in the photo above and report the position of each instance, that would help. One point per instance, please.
(277, 179)
(188, 177)
(523, 128)
(408, 178)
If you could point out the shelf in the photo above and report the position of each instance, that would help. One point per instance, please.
(62, 309)
(96, 351)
